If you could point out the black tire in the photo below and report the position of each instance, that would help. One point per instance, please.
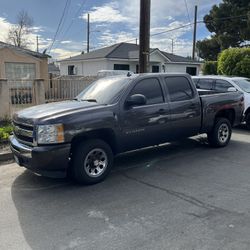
(88, 158)
(248, 120)
(220, 134)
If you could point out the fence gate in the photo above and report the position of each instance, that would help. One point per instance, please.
(20, 95)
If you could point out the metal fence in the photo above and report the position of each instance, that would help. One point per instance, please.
(20, 94)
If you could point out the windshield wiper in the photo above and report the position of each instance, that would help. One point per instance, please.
(88, 100)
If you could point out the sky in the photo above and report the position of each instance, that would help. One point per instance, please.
(111, 21)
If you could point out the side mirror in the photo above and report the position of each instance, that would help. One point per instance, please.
(136, 100)
(232, 89)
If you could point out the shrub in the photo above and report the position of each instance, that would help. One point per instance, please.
(5, 132)
(209, 68)
(234, 62)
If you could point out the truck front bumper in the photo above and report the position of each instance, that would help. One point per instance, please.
(51, 160)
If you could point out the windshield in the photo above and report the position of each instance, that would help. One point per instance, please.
(104, 91)
(244, 84)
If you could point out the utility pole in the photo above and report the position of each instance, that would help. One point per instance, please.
(37, 44)
(144, 35)
(194, 35)
(172, 45)
(136, 42)
(88, 31)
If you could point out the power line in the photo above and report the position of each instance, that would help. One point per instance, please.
(73, 19)
(201, 21)
(59, 24)
(187, 11)
(180, 27)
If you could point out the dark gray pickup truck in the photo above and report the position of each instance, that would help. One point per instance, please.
(117, 114)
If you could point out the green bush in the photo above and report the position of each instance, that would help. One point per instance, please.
(209, 68)
(234, 62)
(5, 132)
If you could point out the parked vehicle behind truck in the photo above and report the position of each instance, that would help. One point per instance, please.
(118, 114)
(225, 84)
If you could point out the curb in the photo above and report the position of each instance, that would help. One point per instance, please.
(6, 157)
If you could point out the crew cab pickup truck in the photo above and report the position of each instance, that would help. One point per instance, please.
(116, 114)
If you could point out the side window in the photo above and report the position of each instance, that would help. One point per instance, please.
(222, 85)
(151, 89)
(179, 88)
(205, 84)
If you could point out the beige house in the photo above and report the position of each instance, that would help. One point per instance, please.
(18, 63)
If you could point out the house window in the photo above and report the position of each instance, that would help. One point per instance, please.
(191, 71)
(71, 70)
(121, 66)
(155, 69)
(20, 70)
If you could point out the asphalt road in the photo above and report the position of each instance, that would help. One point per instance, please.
(179, 196)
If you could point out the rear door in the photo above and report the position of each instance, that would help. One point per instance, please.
(148, 124)
(184, 105)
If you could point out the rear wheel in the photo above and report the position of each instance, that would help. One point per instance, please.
(248, 120)
(221, 133)
(92, 161)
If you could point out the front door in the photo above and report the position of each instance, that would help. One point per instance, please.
(148, 124)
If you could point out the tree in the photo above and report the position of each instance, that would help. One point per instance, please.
(18, 33)
(229, 22)
(208, 49)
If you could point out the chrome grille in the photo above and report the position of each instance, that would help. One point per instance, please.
(23, 133)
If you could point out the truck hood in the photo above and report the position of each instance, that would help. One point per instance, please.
(52, 110)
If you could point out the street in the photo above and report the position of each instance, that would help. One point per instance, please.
(183, 195)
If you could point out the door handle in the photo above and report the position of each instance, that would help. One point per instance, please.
(161, 111)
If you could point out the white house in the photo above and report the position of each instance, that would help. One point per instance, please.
(125, 56)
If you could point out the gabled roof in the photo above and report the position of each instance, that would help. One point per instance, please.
(123, 51)
(22, 50)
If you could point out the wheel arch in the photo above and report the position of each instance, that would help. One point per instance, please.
(228, 114)
(106, 134)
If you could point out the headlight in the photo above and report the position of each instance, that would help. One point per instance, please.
(47, 134)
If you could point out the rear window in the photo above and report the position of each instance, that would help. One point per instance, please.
(205, 84)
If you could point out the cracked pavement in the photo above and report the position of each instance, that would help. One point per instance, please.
(183, 195)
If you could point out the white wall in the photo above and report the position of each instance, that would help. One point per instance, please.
(91, 67)
(84, 68)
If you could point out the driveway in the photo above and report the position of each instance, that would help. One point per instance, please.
(183, 195)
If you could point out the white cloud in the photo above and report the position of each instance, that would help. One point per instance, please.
(4, 27)
(66, 42)
(108, 38)
(108, 13)
(60, 53)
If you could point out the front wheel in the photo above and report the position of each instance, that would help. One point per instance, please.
(221, 133)
(92, 161)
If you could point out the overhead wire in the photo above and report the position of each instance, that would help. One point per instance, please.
(59, 24)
